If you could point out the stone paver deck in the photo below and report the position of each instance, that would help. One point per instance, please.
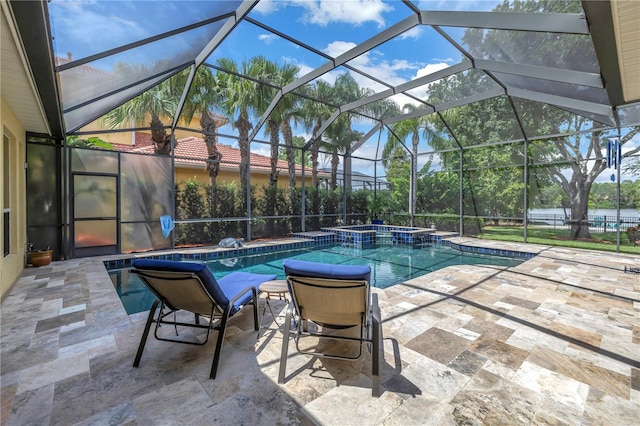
(555, 340)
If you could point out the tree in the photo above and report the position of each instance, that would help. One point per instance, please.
(156, 103)
(300, 157)
(340, 137)
(633, 166)
(204, 94)
(578, 185)
(404, 128)
(281, 116)
(437, 191)
(290, 111)
(239, 101)
(269, 73)
(316, 109)
(572, 162)
(340, 133)
(91, 142)
(396, 151)
(392, 148)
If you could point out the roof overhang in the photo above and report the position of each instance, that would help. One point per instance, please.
(29, 83)
(617, 23)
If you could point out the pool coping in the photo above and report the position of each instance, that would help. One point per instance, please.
(318, 240)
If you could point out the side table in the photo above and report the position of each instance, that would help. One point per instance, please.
(273, 288)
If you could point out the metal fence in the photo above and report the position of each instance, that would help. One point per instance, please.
(597, 223)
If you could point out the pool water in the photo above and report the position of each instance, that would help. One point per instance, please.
(389, 265)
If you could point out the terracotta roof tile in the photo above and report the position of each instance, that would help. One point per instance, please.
(193, 151)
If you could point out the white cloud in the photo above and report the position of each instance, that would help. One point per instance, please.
(65, 23)
(337, 48)
(447, 60)
(430, 69)
(365, 166)
(267, 6)
(357, 12)
(261, 149)
(330, 77)
(304, 135)
(458, 5)
(414, 33)
(436, 161)
(402, 99)
(267, 38)
(369, 149)
(402, 64)
(304, 69)
(421, 91)
(374, 65)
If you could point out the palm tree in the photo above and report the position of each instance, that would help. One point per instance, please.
(269, 73)
(290, 111)
(340, 139)
(314, 113)
(400, 130)
(239, 101)
(346, 90)
(204, 94)
(157, 102)
(279, 119)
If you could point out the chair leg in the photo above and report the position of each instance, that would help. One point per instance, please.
(147, 327)
(378, 354)
(256, 322)
(285, 344)
(221, 330)
(268, 305)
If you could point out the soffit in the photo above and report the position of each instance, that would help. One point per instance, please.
(17, 87)
(626, 23)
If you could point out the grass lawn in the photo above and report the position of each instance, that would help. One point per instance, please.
(559, 237)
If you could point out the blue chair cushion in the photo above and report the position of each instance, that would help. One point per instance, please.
(304, 268)
(221, 290)
(236, 281)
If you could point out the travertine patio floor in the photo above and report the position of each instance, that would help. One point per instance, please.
(555, 340)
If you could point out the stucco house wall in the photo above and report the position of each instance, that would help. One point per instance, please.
(13, 192)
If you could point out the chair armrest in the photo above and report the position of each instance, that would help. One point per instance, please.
(375, 309)
(241, 293)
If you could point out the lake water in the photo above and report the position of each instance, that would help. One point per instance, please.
(610, 213)
(598, 218)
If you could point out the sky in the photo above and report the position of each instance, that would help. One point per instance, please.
(327, 26)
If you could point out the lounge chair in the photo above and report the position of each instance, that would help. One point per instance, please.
(335, 298)
(192, 287)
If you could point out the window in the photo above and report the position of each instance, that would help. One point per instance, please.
(6, 195)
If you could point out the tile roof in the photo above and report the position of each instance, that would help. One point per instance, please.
(83, 69)
(192, 151)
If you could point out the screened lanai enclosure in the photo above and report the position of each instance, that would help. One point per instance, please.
(259, 119)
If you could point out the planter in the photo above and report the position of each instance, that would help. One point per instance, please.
(40, 258)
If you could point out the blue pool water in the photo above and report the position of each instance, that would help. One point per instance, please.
(390, 265)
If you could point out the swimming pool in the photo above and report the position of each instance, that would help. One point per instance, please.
(389, 265)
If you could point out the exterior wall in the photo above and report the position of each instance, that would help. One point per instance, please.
(258, 179)
(12, 265)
